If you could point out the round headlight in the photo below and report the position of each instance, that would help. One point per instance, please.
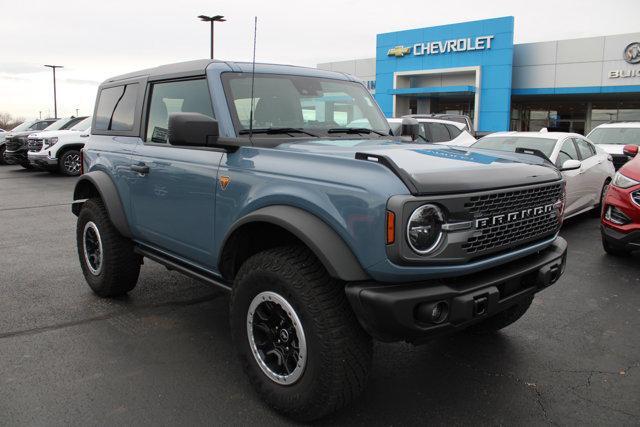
(424, 230)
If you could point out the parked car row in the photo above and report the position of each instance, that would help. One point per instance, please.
(49, 144)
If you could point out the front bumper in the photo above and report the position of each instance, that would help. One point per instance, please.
(18, 157)
(42, 159)
(389, 312)
(629, 241)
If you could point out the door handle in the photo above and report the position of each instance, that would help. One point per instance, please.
(142, 169)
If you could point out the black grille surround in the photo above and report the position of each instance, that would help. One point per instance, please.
(13, 144)
(513, 233)
(35, 145)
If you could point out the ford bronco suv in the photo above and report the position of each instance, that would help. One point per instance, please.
(326, 234)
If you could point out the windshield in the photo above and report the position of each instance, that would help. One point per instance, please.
(57, 125)
(83, 125)
(510, 143)
(617, 136)
(23, 126)
(311, 104)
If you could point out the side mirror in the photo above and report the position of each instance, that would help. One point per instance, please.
(571, 165)
(410, 128)
(192, 129)
(630, 150)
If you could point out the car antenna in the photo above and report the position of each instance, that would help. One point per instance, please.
(253, 76)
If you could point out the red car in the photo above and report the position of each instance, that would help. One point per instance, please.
(621, 208)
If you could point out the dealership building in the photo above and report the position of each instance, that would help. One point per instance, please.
(474, 68)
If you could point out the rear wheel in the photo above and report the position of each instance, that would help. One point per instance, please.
(502, 319)
(70, 163)
(295, 334)
(108, 261)
(612, 248)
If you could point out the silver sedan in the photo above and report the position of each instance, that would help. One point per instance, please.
(587, 168)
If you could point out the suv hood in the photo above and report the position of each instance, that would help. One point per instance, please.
(612, 148)
(437, 169)
(53, 133)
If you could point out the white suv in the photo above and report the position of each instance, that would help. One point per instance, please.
(612, 137)
(59, 151)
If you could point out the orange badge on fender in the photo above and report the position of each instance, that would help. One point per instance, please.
(224, 182)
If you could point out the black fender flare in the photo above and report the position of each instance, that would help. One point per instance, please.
(317, 235)
(103, 183)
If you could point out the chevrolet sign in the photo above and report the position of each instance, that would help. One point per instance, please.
(514, 216)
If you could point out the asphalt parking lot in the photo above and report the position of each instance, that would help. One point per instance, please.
(163, 354)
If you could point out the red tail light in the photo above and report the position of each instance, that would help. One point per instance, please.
(630, 150)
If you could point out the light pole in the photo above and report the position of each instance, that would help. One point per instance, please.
(212, 19)
(55, 100)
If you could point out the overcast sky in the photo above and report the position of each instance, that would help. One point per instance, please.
(98, 39)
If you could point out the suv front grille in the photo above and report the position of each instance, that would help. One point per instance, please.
(518, 231)
(636, 196)
(35, 145)
(13, 144)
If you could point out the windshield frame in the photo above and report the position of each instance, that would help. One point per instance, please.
(241, 132)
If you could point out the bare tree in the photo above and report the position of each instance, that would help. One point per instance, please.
(7, 121)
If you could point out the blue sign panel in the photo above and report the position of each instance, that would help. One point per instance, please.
(485, 44)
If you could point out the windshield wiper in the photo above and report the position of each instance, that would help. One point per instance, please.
(356, 130)
(277, 131)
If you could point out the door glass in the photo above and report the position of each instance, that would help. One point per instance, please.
(190, 96)
(567, 152)
(585, 148)
(106, 103)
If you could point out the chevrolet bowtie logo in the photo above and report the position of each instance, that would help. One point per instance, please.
(398, 51)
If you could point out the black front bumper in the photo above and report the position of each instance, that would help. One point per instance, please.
(630, 241)
(390, 312)
(18, 157)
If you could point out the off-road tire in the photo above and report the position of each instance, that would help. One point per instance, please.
(502, 319)
(120, 265)
(62, 163)
(613, 249)
(339, 351)
(27, 166)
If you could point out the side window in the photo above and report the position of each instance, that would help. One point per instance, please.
(439, 132)
(125, 111)
(586, 150)
(454, 131)
(189, 96)
(567, 152)
(116, 108)
(108, 100)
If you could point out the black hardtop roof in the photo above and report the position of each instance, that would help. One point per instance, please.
(198, 67)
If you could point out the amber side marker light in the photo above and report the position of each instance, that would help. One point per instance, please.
(391, 227)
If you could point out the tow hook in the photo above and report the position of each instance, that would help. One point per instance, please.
(480, 305)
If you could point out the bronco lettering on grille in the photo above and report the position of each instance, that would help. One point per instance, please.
(514, 216)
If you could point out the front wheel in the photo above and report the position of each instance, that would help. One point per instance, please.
(295, 334)
(597, 209)
(109, 263)
(613, 249)
(70, 163)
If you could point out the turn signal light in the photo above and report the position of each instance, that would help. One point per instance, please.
(391, 227)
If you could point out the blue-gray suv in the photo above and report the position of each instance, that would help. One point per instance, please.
(283, 186)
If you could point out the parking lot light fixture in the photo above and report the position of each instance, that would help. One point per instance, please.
(55, 101)
(212, 19)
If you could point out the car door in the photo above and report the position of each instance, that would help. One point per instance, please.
(173, 195)
(593, 166)
(574, 178)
